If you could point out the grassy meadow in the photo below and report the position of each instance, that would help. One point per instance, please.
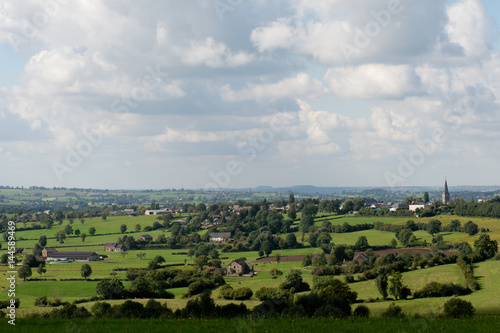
(486, 301)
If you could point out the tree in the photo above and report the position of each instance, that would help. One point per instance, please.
(82, 220)
(200, 262)
(404, 236)
(83, 236)
(362, 243)
(92, 231)
(61, 236)
(426, 197)
(24, 272)
(42, 241)
(123, 228)
(37, 250)
(104, 216)
(458, 308)
(110, 289)
(59, 216)
(471, 228)
(137, 227)
(396, 287)
(361, 311)
(454, 225)
(291, 241)
(275, 273)
(278, 258)
(40, 270)
(46, 220)
(266, 247)
(141, 255)
(305, 223)
(434, 227)
(86, 271)
(291, 199)
(381, 282)
(77, 232)
(393, 243)
(68, 230)
(485, 247)
(294, 280)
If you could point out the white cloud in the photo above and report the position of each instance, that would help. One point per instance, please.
(301, 85)
(471, 27)
(421, 71)
(372, 81)
(212, 54)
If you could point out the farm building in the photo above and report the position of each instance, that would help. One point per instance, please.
(218, 237)
(51, 254)
(239, 266)
(113, 247)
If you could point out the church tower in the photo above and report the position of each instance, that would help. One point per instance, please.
(446, 194)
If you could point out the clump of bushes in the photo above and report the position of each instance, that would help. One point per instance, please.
(436, 289)
(241, 294)
(458, 308)
(393, 311)
(361, 311)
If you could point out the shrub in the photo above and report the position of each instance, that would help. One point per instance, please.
(41, 301)
(393, 311)
(268, 293)
(458, 308)
(100, 309)
(242, 294)
(435, 289)
(362, 311)
(226, 292)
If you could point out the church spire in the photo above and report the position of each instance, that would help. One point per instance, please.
(446, 194)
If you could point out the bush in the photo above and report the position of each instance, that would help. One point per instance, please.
(100, 309)
(242, 294)
(41, 301)
(458, 308)
(5, 304)
(435, 289)
(361, 311)
(393, 311)
(268, 293)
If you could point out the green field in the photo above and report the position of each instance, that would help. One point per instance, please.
(257, 325)
(485, 300)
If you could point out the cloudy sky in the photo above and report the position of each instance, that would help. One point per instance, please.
(242, 93)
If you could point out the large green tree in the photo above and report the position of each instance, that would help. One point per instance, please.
(61, 236)
(85, 271)
(434, 227)
(24, 272)
(485, 247)
(42, 240)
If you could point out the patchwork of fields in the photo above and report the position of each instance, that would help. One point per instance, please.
(485, 300)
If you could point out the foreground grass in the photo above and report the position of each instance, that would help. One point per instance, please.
(484, 325)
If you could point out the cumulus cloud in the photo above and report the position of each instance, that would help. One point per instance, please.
(373, 81)
(301, 85)
(364, 83)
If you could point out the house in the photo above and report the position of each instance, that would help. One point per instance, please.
(239, 266)
(113, 247)
(217, 237)
(51, 254)
(158, 211)
(360, 257)
(415, 207)
(145, 238)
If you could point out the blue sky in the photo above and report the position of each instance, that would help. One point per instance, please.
(118, 94)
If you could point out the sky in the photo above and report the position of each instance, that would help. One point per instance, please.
(155, 94)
